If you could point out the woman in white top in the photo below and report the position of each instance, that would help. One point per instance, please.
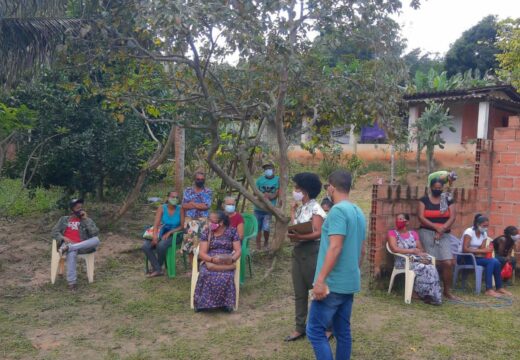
(307, 187)
(474, 241)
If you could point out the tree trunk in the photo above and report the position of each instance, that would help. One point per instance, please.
(418, 158)
(354, 138)
(180, 153)
(392, 164)
(157, 159)
(429, 159)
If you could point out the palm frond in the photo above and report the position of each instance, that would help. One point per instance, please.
(32, 8)
(27, 44)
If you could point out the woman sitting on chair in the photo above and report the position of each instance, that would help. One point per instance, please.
(504, 244)
(474, 241)
(403, 241)
(171, 216)
(219, 250)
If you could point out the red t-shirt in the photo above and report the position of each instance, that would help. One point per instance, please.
(72, 230)
(236, 220)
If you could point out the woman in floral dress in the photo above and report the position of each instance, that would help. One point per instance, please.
(403, 241)
(219, 250)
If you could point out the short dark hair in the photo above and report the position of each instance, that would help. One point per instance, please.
(326, 202)
(479, 219)
(341, 180)
(405, 215)
(508, 231)
(435, 181)
(309, 182)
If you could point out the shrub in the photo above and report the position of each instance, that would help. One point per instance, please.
(15, 201)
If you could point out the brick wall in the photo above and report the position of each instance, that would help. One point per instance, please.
(496, 193)
(388, 201)
(504, 203)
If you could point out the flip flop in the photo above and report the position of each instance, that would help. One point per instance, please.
(155, 274)
(294, 338)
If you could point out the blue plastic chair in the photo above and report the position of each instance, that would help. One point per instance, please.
(479, 270)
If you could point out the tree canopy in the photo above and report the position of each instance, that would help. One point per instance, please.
(509, 43)
(475, 49)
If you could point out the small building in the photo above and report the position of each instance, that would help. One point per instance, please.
(476, 112)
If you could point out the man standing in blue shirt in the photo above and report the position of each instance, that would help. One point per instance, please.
(269, 185)
(338, 276)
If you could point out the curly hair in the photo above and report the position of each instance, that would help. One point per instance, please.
(309, 182)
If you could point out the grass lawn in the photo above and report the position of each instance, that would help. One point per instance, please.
(122, 315)
(125, 316)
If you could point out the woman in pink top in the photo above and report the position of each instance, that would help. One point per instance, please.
(404, 241)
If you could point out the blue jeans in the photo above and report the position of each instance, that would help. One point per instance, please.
(72, 255)
(335, 309)
(492, 268)
(158, 260)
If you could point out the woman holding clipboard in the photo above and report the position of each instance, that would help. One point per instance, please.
(307, 217)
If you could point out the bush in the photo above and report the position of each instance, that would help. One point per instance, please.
(15, 201)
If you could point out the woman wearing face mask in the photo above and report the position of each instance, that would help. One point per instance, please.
(504, 244)
(235, 219)
(169, 218)
(435, 233)
(404, 241)
(474, 241)
(219, 250)
(307, 187)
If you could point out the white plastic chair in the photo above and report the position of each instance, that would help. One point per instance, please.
(58, 263)
(409, 275)
(195, 277)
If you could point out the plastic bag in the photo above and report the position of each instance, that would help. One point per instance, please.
(507, 271)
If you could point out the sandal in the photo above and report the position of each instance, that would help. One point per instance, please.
(155, 274)
(294, 338)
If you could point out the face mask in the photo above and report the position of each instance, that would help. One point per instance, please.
(269, 172)
(213, 226)
(400, 224)
(482, 229)
(173, 201)
(199, 183)
(436, 193)
(297, 195)
(229, 208)
(515, 237)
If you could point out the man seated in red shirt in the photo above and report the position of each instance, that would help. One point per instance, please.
(76, 233)
(235, 219)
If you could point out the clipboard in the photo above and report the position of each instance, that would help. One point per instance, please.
(302, 228)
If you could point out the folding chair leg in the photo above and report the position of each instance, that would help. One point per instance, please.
(408, 289)
(250, 267)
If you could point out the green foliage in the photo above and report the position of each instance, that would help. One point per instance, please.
(429, 128)
(475, 49)
(432, 81)
(15, 201)
(15, 118)
(508, 41)
(93, 150)
(333, 159)
(416, 61)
